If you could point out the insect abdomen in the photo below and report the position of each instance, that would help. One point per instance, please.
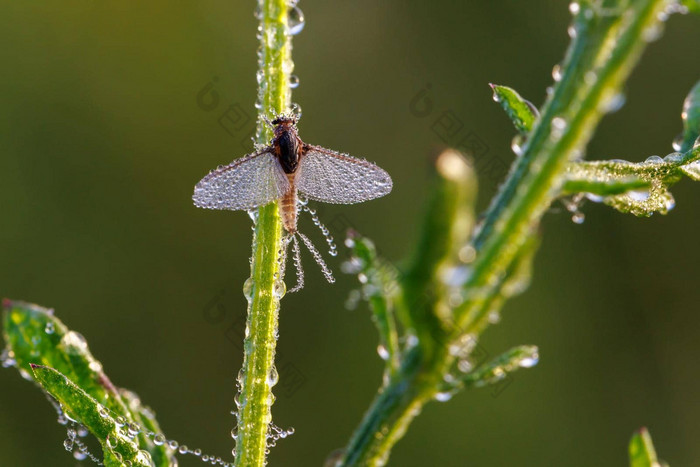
(288, 207)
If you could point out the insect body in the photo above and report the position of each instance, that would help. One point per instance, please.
(283, 170)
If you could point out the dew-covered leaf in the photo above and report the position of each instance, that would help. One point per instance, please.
(691, 121)
(604, 187)
(79, 406)
(642, 452)
(379, 289)
(494, 371)
(521, 112)
(658, 173)
(34, 335)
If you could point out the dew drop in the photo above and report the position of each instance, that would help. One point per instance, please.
(615, 103)
(678, 142)
(383, 352)
(73, 343)
(49, 328)
(556, 73)
(574, 8)
(443, 396)
(68, 444)
(559, 123)
(578, 218)
(279, 289)
(95, 366)
(273, 377)
(517, 145)
(8, 358)
(467, 254)
(248, 288)
(669, 203)
(295, 20)
(465, 366)
(529, 362)
(112, 442)
(133, 429)
(293, 81)
(652, 33)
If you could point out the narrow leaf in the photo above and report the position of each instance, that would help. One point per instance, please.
(658, 173)
(604, 187)
(524, 356)
(521, 112)
(34, 335)
(691, 121)
(641, 450)
(379, 288)
(79, 406)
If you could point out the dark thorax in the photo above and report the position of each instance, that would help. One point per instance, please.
(287, 145)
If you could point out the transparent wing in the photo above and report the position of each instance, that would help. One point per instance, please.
(246, 183)
(331, 177)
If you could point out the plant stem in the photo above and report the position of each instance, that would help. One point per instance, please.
(598, 61)
(265, 286)
(390, 414)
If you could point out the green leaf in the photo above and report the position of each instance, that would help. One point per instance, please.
(595, 177)
(34, 335)
(447, 223)
(524, 356)
(79, 406)
(641, 450)
(379, 289)
(522, 113)
(691, 121)
(599, 187)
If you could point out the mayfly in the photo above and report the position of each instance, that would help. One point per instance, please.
(284, 170)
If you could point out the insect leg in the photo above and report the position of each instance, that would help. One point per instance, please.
(297, 263)
(333, 249)
(317, 256)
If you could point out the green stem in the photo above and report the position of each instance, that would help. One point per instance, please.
(598, 61)
(390, 414)
(265, 287)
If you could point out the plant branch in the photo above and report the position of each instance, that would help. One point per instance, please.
(608, 42)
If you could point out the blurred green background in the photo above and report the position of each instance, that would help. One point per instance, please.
(102, 139)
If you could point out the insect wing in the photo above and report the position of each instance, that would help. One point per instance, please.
(249, 182)
(331, 177)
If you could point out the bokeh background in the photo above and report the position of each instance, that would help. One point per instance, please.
(102, 138)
